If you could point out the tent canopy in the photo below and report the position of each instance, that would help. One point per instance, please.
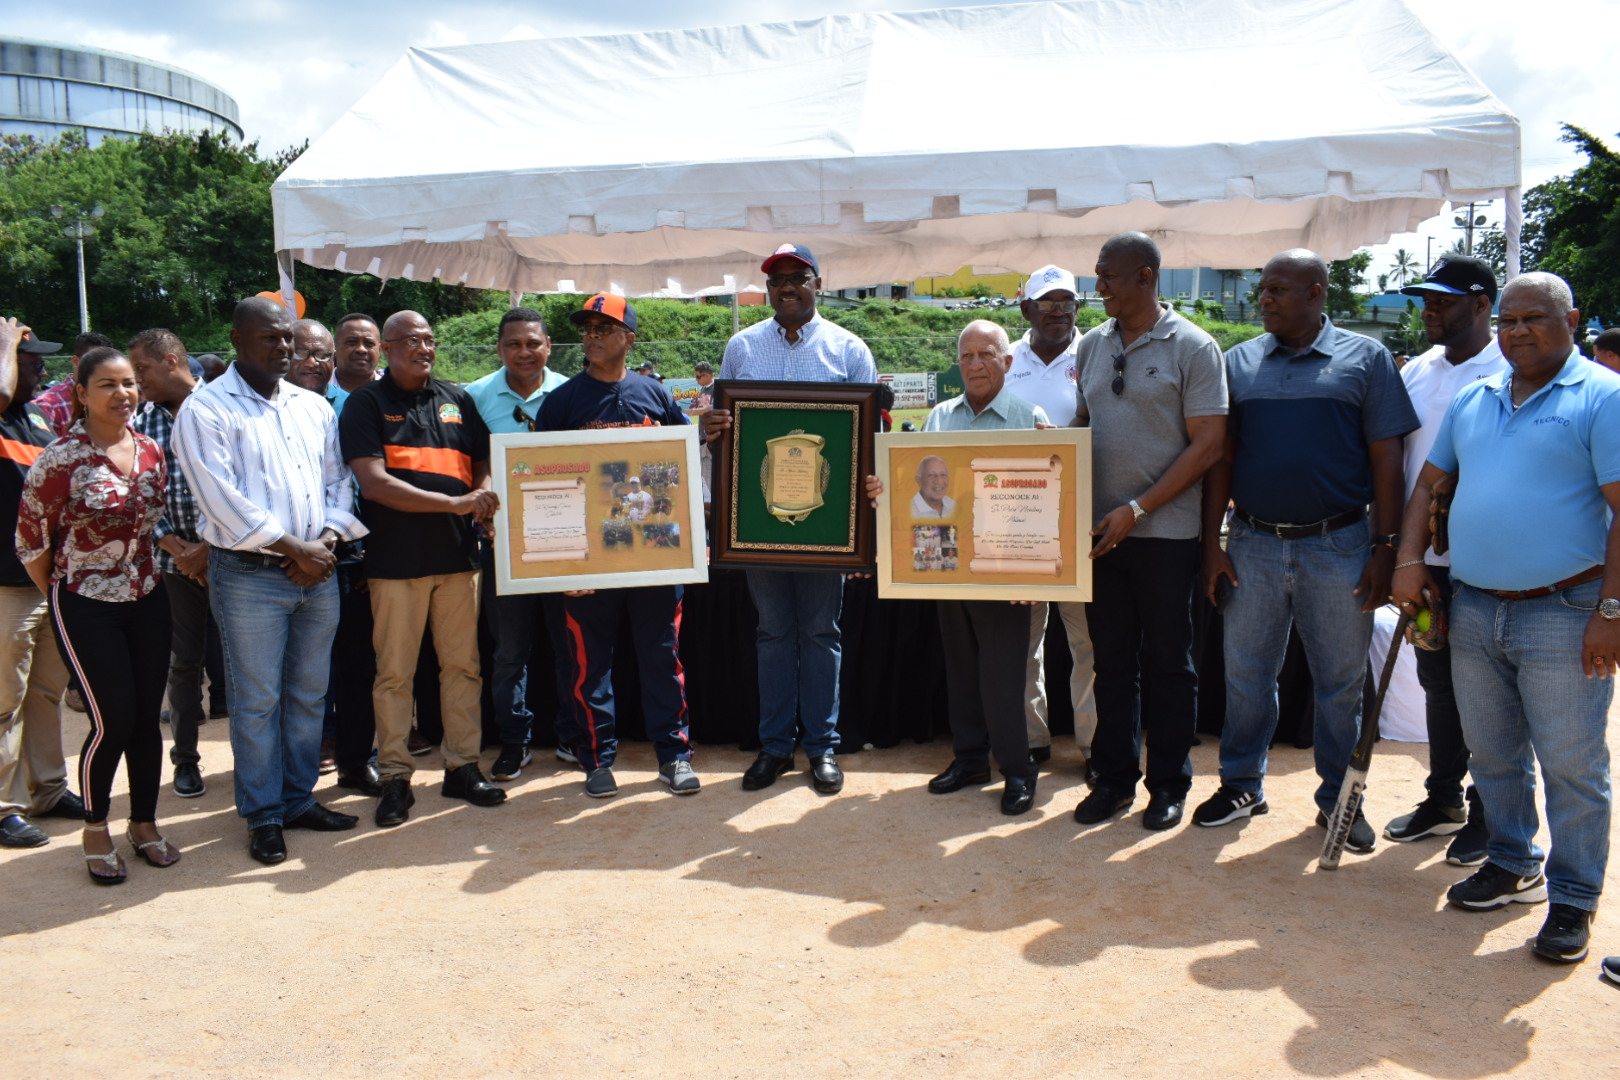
(901, 145)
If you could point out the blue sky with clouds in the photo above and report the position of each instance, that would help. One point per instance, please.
(294, 66)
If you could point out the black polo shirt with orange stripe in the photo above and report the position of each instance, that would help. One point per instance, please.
(429, 439)
(24, 432)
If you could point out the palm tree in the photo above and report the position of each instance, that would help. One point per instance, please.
(1405, 266)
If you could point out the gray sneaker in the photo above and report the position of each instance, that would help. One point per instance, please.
(680, 777)
(567, 756)
(599, 784)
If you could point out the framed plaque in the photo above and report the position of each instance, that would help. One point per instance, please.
(599, 509)
(985, 515)
(789, 474)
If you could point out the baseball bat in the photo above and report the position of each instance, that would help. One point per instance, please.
(1355, 777)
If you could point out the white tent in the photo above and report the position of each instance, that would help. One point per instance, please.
(901, 146)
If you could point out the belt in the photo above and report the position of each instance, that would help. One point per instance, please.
(1299, 532)
(253, 558)
(1546, 590)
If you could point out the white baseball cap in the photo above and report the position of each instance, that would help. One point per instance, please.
(1048, 279)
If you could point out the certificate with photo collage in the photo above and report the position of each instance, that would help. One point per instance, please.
(985, 515)
(600, 509)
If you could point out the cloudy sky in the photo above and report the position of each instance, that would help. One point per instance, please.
(294, 66)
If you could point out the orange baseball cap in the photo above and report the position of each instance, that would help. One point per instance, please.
(616, 308)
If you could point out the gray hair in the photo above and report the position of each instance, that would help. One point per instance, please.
(1552, 288)
(994, 329)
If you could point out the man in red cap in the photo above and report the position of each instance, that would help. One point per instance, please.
(607, 395)
(799, 649)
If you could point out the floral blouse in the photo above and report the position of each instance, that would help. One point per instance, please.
(99, 520)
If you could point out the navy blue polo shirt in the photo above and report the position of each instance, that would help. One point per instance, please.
(584, 403)
(429, 439)
(1303, 423)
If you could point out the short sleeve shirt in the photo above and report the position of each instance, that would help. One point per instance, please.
(430, 439)
(584, 403)
(1304, 423)
(825, 352)
(496, 400)
(24, 433)
(1051, 386)
(1172, 373)
(1006, 411)
(1529, 509)
(98, 520)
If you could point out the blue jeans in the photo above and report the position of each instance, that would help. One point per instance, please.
(278, 648)
(799, 654)
(1524, 699)
(513, 621)
(1310, 583)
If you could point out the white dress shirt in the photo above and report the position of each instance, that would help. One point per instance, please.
(262, 469)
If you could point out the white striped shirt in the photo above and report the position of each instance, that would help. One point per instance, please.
(825, 352)
(263, 469)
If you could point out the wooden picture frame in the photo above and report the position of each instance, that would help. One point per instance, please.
(789, 475)
(571, 517)
(1006, 515)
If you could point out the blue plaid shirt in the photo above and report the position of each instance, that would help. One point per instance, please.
(825, 352)
(180, 519)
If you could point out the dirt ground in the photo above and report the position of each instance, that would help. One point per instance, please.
(883, 932)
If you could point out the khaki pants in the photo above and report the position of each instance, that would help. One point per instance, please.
(1082, 677)
(401, 608)
(33, 677)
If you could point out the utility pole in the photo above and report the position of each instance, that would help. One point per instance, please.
(1468, 224)
(80, 230)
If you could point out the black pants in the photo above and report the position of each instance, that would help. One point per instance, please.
(1140, 617)
(986, 645)
(188, 611)
(1448, 750)
(354, 669)
(120, 652)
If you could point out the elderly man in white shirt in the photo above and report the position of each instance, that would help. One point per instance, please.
(274, 497)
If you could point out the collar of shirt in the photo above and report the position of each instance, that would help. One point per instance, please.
(997, 411)
(1322, 345)
(806, 332)
(1163, 327)
(237, 386)
(548, 382)
(1069, 350)
(1574, 371)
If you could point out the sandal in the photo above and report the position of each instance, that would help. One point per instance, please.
(110, 860)
(167, 856)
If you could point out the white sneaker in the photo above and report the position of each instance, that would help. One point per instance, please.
(680, 777)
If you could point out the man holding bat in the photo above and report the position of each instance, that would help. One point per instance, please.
(1535, 618)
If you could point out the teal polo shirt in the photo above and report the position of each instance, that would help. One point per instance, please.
(1529, 510)
(496, 399)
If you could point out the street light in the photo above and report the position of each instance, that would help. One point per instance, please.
(78, 231)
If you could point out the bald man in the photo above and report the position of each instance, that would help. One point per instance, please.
(1318, 415)
(1535, 612)
(933, 481)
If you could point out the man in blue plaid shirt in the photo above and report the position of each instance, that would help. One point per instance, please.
(166, 381)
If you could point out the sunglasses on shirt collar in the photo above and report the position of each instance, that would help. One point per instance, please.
(523, 418)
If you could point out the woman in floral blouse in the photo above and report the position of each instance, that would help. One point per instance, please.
(84, 531)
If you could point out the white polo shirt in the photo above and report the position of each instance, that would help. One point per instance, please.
(1051, 386)
(1432, 383)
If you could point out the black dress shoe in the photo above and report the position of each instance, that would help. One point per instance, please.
(765, 769)
(1018, 796)
(468, 783)
(321, 819)
(366, 781)
(958, 776)
(1102, 804)
(267, 844)
(68, 806)
(188, 781)
(395, 805)
(1040, 755)
(825, 775)
(1164, 810)
(18, 832)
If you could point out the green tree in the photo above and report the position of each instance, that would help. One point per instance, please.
(1572, 228)
(1347, 282)
(1403, 266)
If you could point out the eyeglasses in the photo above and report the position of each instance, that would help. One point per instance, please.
(1057, 307)
(602, 329)
(523, 418)
(1119, 375)
(777, 281)
(318, 357)
(415, 341)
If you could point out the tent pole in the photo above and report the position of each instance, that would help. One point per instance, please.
(284, 272)
(1513, 229)
(736, 315)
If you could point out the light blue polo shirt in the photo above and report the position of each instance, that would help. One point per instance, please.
(1528, 510)
(496, 399)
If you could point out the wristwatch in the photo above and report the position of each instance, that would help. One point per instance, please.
(1609, 609)
(1136, 508)
(1391, 541)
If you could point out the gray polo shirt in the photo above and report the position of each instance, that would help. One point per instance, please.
(1172, 372)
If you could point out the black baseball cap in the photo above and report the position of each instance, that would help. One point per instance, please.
(32, 344)
(1459, 275)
